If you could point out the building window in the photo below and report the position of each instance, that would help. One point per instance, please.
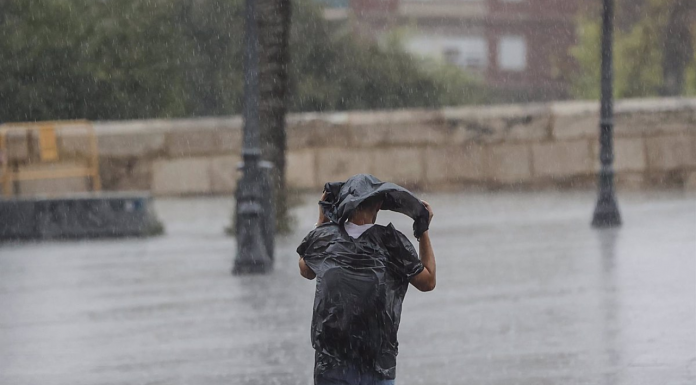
(512, 53)
(462, 51)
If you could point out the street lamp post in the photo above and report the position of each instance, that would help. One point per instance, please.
(254, 203)
(606, 212)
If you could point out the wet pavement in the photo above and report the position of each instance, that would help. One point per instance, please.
(527, 294)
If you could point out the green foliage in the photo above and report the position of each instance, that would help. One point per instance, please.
(585, 83)
(690, 89)
(691, 80)
(638, 55)
(126, 59)
(639, 59)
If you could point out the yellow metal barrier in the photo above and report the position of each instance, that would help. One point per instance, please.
(49, 152)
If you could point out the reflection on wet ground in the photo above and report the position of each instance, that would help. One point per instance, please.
(527, 293)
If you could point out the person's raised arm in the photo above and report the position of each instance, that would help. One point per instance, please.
(305, 271)
(426, 279)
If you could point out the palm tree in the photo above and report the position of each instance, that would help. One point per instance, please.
(273, 18)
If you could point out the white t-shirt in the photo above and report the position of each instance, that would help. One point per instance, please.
(354, 230)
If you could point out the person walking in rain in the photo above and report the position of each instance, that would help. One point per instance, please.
(362, 272)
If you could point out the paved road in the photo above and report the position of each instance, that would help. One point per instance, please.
(527, 294)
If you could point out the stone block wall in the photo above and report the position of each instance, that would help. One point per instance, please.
(532, 145)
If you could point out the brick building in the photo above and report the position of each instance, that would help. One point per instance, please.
(520, 47)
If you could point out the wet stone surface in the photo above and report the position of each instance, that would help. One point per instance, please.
(527, 293)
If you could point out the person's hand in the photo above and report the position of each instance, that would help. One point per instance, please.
(430, 211)
(322, 217)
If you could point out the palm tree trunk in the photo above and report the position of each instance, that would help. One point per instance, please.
(273, 17)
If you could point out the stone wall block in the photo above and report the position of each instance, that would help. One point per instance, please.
(508, 163)
(193, 142)
(657, 104)
(630, 180)
(139, 177)
(300, 170)
(690, 181)
(131, 144)
(125, 174)
(666, 153)
(330, 118)
(499, 124)
(402, 165)
(338, 164)
(395, 117)
(632, 123)
(575, 120)
(229, 140)
(224, 174)
(562, 159)
(570, 127)
(629, 154)
(316, 134)
(181, 176)
(403, 135)
(454, 164)
(205, 136)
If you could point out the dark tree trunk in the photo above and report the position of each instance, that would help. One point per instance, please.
(274, 32)
(678, 49)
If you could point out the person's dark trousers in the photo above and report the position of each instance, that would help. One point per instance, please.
(349, 376)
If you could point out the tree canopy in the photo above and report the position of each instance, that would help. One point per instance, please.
(128, 59)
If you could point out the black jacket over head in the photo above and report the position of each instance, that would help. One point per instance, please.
(343, 198)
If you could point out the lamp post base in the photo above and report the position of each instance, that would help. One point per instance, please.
(606, 215)
(255, 217)
(252, 249)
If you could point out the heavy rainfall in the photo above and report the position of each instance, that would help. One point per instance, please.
(242, 191)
